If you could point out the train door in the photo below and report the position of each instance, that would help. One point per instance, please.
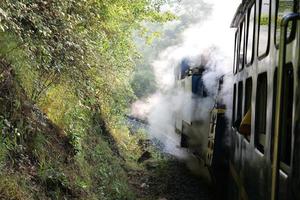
(287, 38)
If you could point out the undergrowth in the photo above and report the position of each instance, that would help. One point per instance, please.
(65, 155)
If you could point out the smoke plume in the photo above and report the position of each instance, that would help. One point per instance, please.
(203, 36)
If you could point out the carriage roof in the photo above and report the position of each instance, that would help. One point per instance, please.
(238, 16)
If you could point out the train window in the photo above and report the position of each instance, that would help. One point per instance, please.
(239, 104)
(241, 49)
(235, 53)
(287, 115)
(283, 7)
(233, 105)
(248, 94)
(260, 112)
(250, 31)
(247, 107)
(198, 87)
(264, 28)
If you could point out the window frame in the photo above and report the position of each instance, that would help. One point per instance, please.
(234, 106)
(283, 165)
(248, 80)
(253, 5)
(257, 135)
(240, 99)
(266, 53)
(242, 32)
(294, 27)
(236, 50)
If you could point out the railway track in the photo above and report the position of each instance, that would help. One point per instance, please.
(170, 178)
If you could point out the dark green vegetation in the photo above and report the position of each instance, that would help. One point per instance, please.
(65, 69)
(143, 83)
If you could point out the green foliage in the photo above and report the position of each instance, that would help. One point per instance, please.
(3, 154)
(83, 45)
(285, 6)
(11, 188)
(54, 180)
(264, 20)
(143, 82)
(74, 59)
(74, 38)
(111, 182)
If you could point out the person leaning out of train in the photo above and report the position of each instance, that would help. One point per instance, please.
(245, 126)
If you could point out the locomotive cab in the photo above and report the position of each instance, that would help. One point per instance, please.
(189, 81)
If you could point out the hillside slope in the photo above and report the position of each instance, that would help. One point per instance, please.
(38, 160)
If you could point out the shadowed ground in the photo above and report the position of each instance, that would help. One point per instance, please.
(168, 180)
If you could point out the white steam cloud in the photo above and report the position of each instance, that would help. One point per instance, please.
(203, 35)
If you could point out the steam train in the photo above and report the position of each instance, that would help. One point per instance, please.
(262, 160)
(189, 82)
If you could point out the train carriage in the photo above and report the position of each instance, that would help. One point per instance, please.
(264, 158)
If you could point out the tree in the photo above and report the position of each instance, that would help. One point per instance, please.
(85, 44)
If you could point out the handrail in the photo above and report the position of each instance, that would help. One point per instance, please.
(282, 59)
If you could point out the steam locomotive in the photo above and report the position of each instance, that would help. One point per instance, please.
(189, 82)
(262, 160)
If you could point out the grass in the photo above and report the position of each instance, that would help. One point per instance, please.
(14, 186)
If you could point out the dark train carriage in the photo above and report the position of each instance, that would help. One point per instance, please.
(216, 154)
(265, 144)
